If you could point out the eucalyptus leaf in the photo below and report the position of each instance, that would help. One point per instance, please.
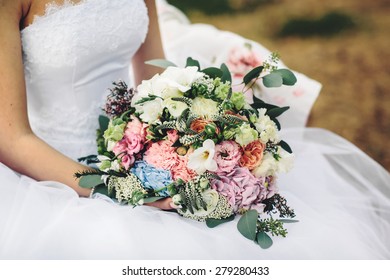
(152, 199)
(277, 111)
(226, 77)
(285, 146)
(247, 224)
(273, 79)
(264, 240)
(192, 62)
(213, 72)
(211, 223)
(288, 77)
(102, 189)
(162, 63)
(254, 73)
(90, 181)
(288, 221)
(103, 122)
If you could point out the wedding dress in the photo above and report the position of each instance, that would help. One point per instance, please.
(71, 55)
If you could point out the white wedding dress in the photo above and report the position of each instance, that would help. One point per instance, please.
(72, 54)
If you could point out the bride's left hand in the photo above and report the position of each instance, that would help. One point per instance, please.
(163, 204)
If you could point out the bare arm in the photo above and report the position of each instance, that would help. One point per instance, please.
(150, 49)
(20, 149)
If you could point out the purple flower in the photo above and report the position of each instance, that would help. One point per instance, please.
(242, 189)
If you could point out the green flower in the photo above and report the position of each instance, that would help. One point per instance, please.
(221, 89)
(238, 100)
(114, 132)
(246, 134)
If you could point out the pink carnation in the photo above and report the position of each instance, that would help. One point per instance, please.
(227, 155)
(242, 189)
(161, 154)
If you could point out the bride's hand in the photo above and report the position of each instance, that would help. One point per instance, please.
(163, 204)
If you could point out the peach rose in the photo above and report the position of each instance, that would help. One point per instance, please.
(199, 125)
(252, 155)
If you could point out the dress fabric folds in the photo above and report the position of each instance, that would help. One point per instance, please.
(340, 195)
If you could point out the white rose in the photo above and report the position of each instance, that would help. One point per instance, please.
(151, 110)
(175, 108)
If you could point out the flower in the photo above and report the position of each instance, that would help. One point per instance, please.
(114, 133)
(271, 164)
(151, 110)
(136, 126)
(253, 153)
(241, 60)
(227, 155)
(266, 127)
(245, 134)
(204, 107)
(181, 78)
(241, 188)
(127, 189)
(161, 154)
(175, 108)
(202, 159)
(199, 125)
(152, 178)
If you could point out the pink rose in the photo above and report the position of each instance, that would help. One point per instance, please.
(134, 143)
(120, 149)
(241, 60)
(227, 155)
(242, 189)
(137, 127)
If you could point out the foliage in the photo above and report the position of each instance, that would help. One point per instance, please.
(331, 23)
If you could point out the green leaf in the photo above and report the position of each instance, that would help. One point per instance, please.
(263, 240)
(277, 111)
(285, 146)
(102, 188)
(192, 62)
(288, 221)
(226, 76)
(213, 72)
(254, 73)
(152, 199)
(90, 181)
(247, 224)
(288, 77)
(162, 63)
(103, 122)
(211, 223)
(273, 80)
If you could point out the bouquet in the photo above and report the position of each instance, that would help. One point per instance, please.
(186, 134)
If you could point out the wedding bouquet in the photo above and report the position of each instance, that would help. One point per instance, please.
(186, 134)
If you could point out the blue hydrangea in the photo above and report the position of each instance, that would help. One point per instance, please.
(151, 177)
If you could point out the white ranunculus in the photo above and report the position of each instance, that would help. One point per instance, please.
(151, 110)
(175, 108)
(181, 78)
(210, 197)
(204, 107)
(202, 159)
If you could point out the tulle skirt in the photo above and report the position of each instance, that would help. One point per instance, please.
(341, 198)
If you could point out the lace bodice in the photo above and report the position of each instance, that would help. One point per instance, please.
(72, 54)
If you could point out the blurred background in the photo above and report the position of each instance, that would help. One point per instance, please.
(345, 45)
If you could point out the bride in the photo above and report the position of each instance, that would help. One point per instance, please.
(56, 60)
